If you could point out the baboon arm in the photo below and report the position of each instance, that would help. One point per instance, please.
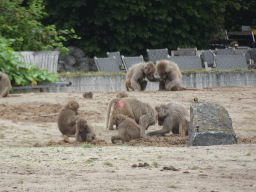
(155, 79)
(78, 136)
(170, 84)
(145, 121)
(135, 85)
(160, 132)
(5, 92)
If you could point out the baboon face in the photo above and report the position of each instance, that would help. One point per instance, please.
(118, 119)
(73, 105)
(164, 75)
(161, 121)
(149, 71)
(161, 113)
(82, 125)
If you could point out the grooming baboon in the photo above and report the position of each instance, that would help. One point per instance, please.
(136, 75)
(68, 117)
(121, 95)
(170, 76)
(84, 132)
(5, 85)
(173, 117)
(128, 129)
(87, 94)
(142, 113)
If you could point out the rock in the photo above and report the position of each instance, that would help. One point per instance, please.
(71, 60)
(210, 124)
(78, 53)
(83, 64)
(93, 66)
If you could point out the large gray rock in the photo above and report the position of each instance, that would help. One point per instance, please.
(210, 124)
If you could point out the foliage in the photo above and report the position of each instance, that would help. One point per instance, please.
(132, 26)
(86, 145)
(21, 22)
(15, 69)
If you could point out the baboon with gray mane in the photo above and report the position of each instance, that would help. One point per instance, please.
(128, 129)
(5, 85)
(84, 132)
(173, 117)
(136, 75)
(68, 117)
(121, 95)
(142, 113)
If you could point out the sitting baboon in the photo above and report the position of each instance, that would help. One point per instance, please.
(5, 85)
(170, 75)
(136, 75)
(121, 95)
(84, 132)
(173, 117)
(87, 94)
(68, 117)
(142, 113)
(128, 129)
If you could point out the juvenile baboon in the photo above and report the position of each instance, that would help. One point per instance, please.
(68, 117)
(136, 75)
(173, 117)
(121, 95)
(87, 94)
(84, 132)
(128, 129)
(142, 113)
(5, 85)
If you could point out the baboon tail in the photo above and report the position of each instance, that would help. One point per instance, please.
(184, 88)
(109, 108)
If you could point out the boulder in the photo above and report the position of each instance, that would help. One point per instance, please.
(210, 124)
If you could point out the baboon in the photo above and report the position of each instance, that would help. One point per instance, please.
(142, 113)
(121, 95)
(87, 94)
(136, 75)
(5, 85)
(170, 76)
(173, 117)
(84, 132)
(68, 117)
(128, 129)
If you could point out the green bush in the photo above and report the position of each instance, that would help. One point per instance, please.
(15, 69)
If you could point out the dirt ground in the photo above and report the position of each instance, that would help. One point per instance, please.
(34, 156)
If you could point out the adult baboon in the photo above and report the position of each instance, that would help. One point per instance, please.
(68, 117)
(5, 85)
(170, 75)
(84, 132)
(121, 95)
(87, 94)
(142, 113)
(136, 75)
(128, 129)
(173, 117)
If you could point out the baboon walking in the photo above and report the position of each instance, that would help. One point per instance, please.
(136, 75)
(68, 117)
(128, 129)
(142, 113)
(5, 85)
(84, 132)
(173, 117)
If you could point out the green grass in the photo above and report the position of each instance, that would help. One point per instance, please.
(159, 156)
(248, 154)
(86, 145)
(20, 182)
(244, 164)
(2, 136)
(221, 167)
(172, 186)
(89, 161)
(194, 168)
(108, 164)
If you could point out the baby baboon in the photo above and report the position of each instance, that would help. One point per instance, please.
(173, 117)
(84, 132)
(170, 75)
(68, 117)
(121, 95)
(136, 75)
(87, 94)
(142, 113)
(5, 85)
(128, 129)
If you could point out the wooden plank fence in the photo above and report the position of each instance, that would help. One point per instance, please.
(43, 59)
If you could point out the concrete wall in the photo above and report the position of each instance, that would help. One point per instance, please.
(196, 80)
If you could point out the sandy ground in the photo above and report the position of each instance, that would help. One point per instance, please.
(34, 156)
